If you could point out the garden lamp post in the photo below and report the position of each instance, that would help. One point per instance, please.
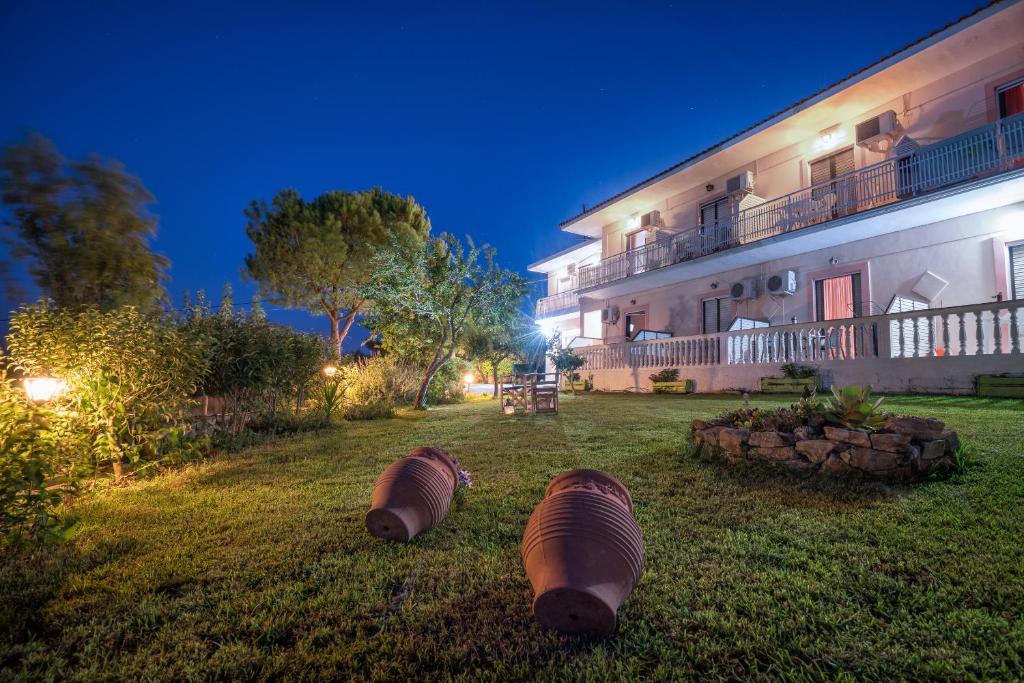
(43, 389)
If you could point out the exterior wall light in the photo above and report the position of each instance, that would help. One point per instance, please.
(43, 389)
(834, 261)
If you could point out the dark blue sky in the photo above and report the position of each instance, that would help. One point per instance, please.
(500, 119)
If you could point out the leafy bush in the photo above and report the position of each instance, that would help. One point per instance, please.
(369, 411)
(666, 375)
(253, 365)
(379, 380)
(129, 376)
(852, 408)
(328, 396)
(446, 386)
(28, 462)
(796, 371)
(757, 420)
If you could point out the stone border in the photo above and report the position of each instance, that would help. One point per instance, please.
(905, 449)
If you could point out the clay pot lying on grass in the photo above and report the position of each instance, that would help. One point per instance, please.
(583, 552)
(412, 494)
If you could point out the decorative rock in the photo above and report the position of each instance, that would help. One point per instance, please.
(896, 443)
(770, 439)
(951, 439)
(710, 435)
(803, 433)
(849, 436)
(933, 450)
(920, 428)
(698, 425)
(412, 494)
(733, 440)
(815, 450)
(799, 466)
(776, 454)
(873, 461)
(835, 465)
(583, 552)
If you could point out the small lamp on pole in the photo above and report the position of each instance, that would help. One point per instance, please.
(43, 389)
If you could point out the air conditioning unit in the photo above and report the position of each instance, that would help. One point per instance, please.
(651, 219)
(743, 183)
(782, 283)
(610, 315)
(744, 289)
(571, 269)
(878, 133)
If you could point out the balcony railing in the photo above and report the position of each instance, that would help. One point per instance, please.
(990, 149)
(557, 303)
(975, 330)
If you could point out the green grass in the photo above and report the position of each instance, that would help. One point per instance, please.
(257, 565)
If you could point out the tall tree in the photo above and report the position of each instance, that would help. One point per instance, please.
(424, 298)
(83, 227)
(316, 255)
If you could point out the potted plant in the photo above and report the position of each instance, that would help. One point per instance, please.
(667, 382)
(795, 380)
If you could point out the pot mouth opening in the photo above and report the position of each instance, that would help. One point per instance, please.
(601, 480)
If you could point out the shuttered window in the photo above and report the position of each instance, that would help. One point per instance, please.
(1011, 99)
(714, 213)
(1017, 271)
(832, 166)
(716, 314)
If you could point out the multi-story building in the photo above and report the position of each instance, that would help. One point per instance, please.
(874, 229)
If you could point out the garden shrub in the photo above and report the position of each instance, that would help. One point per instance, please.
(447, 383)
(666, 375)
(29, 462)
(797, 371)
(380, 380)
(129, 377)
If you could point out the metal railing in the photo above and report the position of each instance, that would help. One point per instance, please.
(999, 146)
(975, 330)
(556, 303)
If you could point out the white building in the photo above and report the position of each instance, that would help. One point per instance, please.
(874, 229)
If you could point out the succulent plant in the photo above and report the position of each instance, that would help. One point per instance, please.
(852, 407)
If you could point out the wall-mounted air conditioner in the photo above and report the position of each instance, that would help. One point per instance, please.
(782, 283)
(879, 132)
(744, 289)
(610, 315)
(651, 219)
(742, 183)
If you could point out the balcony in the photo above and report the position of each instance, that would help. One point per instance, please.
(983, 151)
(563, 302)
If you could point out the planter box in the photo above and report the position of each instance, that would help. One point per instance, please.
(784, 385)
(992, 386)
(684, 386)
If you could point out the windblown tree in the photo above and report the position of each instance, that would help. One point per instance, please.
(316, 255)
(82, 228)
(425, 297)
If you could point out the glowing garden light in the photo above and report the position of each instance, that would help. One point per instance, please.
(330, 370)
(43, 389)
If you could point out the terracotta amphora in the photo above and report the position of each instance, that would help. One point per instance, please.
(583, 552)
(412, 494)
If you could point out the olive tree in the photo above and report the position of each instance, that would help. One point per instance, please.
(425, 297)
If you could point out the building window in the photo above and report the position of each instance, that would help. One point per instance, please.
(715, 314)
(714, 215)
(635, 322)
(1017, 271)
(836, 298)
(1011, 99)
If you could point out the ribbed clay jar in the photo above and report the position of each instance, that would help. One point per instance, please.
(583, 552)
(412, 494)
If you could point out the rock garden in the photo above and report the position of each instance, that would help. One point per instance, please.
(846, 434)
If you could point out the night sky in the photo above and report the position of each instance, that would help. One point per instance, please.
(500, 120)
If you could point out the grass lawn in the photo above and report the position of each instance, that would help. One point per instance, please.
(257, 565)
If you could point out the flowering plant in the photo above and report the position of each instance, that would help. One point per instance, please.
(465, 481)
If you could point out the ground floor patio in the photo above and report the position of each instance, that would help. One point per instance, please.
(257, 565)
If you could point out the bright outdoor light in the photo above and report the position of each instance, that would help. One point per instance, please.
(330, 370)
(468, 378)
(43, 388)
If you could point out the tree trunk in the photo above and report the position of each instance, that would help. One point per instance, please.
(435, 365)
(495, 369)
(335, 334)
(350, 318)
